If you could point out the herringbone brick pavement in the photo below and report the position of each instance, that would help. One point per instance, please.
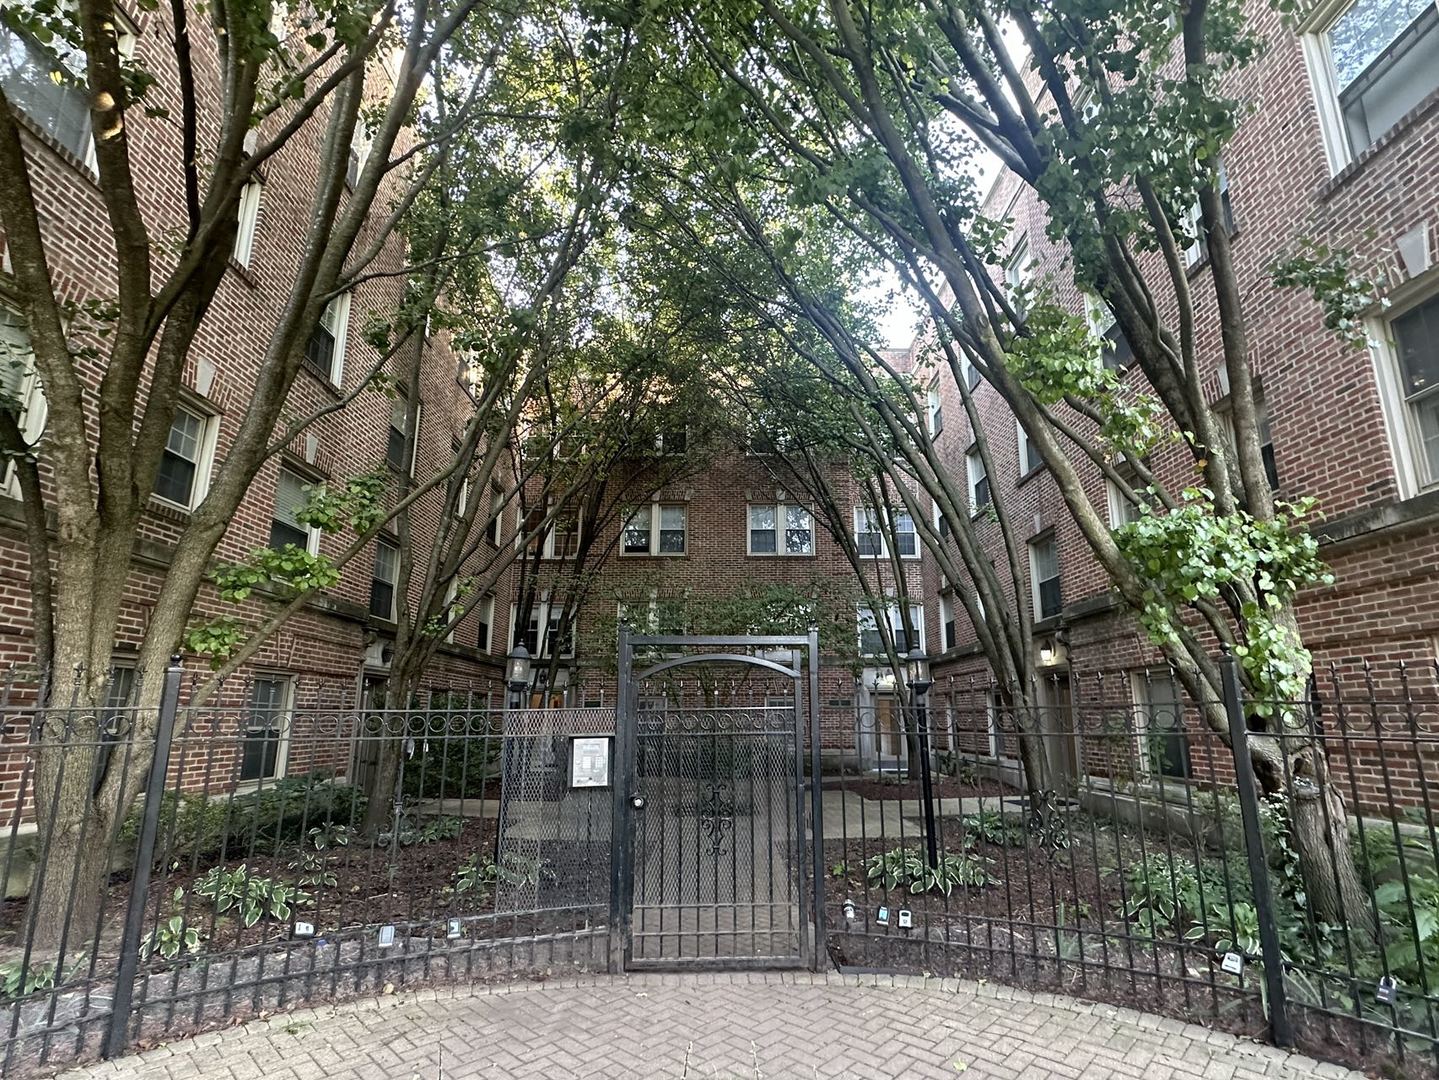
(715, 1027)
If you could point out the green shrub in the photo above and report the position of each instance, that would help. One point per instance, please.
(423, 830)
(909, 868)
(250, 896)
(477, 874)
(172, 936)
(263, 822)
(18, 980)
(996, 827)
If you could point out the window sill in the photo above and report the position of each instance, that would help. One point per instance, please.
(1359, 162)
(166, 509)
(84, 168)
(320, 380)
(1025, 478)
(783, 555)
(243, 272)
(653, 554)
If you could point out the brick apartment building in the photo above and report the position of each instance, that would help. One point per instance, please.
(1359, 431)
(1341, 145)
(341, 634)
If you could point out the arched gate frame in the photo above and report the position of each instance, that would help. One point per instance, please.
(713, 865)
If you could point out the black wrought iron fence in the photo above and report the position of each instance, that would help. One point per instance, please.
(277, 849)
(1107, 842)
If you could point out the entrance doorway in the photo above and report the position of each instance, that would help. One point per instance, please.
(714, 867)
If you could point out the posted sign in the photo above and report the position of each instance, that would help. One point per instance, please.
(590, 761)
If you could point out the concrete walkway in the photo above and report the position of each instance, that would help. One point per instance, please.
(735, 1027)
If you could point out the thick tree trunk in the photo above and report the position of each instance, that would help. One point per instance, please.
(75, 836)
(1319, 822)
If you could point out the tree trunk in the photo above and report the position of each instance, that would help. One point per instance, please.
(381, 793)
(1319, 821)
(75, 837)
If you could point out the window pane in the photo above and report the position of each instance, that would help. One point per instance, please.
(1427, 417)
(637, 533)
(185, 431)
(387, 562)
(672, 530)
(1366, 30)
(1383, 55)
(175, 480)
(261, 741)
(320, 351)
(1416, 333)
(799, 531)
(29, 76)
(282, 533)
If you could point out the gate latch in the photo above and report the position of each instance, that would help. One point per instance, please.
(637, 801)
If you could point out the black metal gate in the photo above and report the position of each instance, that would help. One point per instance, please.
(714, 867)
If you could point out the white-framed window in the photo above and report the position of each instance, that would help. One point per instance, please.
(871, 642)
(871, 541)
(383, 577)
(769, 525)
(485, 623)
(452, 596)
(1121, 510)
(21, 392)
(249, 220)
(562, 538)
(1370, 62)
(285, 524)
(264, 744)
(1114, 350)
(400, 443)
(1044, 576)
(1018, 270)
(1028, 459)
(325, 350)
(184, 473)
(941, 522)
(55, 99)
(656, 529)
(541, 632)
(994, 717)
(971, 373)
(1159, 702)
(979, 494)
(360, 144)
(1225, 413)
(934, 408)
(948, 630)
(497, 511)
(462, 500)
(1197, 251)
(1407, 347)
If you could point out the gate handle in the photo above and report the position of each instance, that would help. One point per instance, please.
(637, 801)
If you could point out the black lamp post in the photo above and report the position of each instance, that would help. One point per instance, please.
(517, 674)
(918, 679)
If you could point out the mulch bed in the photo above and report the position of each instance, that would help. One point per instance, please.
(1049, 922)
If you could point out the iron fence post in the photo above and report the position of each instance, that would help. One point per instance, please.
(926, 779)
(816, 795)
(129, 965)
(1279, 1029)
(621, 777)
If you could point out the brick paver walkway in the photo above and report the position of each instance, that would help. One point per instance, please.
(701, 1027)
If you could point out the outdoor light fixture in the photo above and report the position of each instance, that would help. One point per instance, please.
(518, 674)
(916, 672)
(1046, 653)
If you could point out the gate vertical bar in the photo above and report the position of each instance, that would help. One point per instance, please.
(129, 965)
(622, 769)
(816, 801)
(1279, 1029)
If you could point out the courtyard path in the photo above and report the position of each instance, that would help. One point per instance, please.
(735, 1027)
